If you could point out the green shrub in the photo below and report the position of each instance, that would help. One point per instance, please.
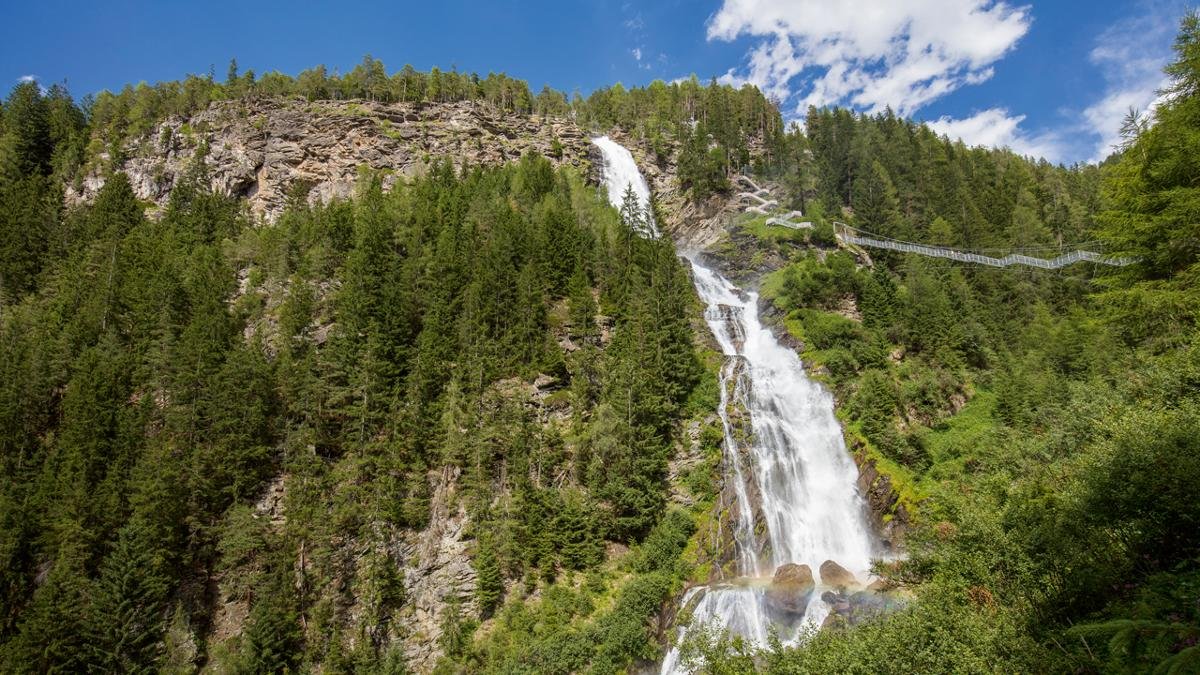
(825, 330)
(822, 234)
(661, 548)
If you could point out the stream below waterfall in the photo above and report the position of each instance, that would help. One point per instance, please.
(795, 499)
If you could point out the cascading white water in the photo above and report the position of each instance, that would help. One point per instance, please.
(809, 499)
(620, 172)
(798, 462)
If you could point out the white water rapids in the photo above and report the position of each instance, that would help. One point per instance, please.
(796, 459)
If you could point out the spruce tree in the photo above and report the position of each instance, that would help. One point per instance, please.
(582, 305)
(1151, 199)
(26, 145)
(876, 208)
(130, 603)
(53, 634)
(455, 634)
(578, 545)
(272, 641)
(489, 585)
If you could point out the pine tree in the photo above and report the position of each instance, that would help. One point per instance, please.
(26, 146)
(272, 641)
(130, 603)
(582, 305)
(489, 586)
(876, 208)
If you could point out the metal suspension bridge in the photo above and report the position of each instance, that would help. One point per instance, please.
(759, 202)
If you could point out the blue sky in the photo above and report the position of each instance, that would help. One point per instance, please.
(1046, 78)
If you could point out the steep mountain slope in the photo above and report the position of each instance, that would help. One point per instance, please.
(364, 373)
(343, 436)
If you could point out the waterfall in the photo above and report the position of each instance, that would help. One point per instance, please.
(620, 172)
(794, 459)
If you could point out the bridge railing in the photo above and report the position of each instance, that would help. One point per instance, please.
(851, 236)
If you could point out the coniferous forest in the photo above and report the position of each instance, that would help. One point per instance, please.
(219, 433)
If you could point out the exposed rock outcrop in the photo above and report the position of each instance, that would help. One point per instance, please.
(717, 546)
(260, 150)
(791, 589)
(688, 457)
(437, 570)
(693, 225)
(889, 514)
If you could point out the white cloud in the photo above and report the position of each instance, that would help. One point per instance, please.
(637, 56)
(636, 34)
(869, 53)
(27, 78)
(1105, 117)
(1132, 71)
(996, 128)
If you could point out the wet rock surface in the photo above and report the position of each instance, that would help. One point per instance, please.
(833, 574)
(889, 516)
(854, 608)
(791, 589)
(693, 225)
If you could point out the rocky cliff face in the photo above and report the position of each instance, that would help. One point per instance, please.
(716, 542)
(888, 513)
(260, 150)
(438, 570)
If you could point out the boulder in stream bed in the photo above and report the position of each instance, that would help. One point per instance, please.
(833, 574)
(791, 589)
